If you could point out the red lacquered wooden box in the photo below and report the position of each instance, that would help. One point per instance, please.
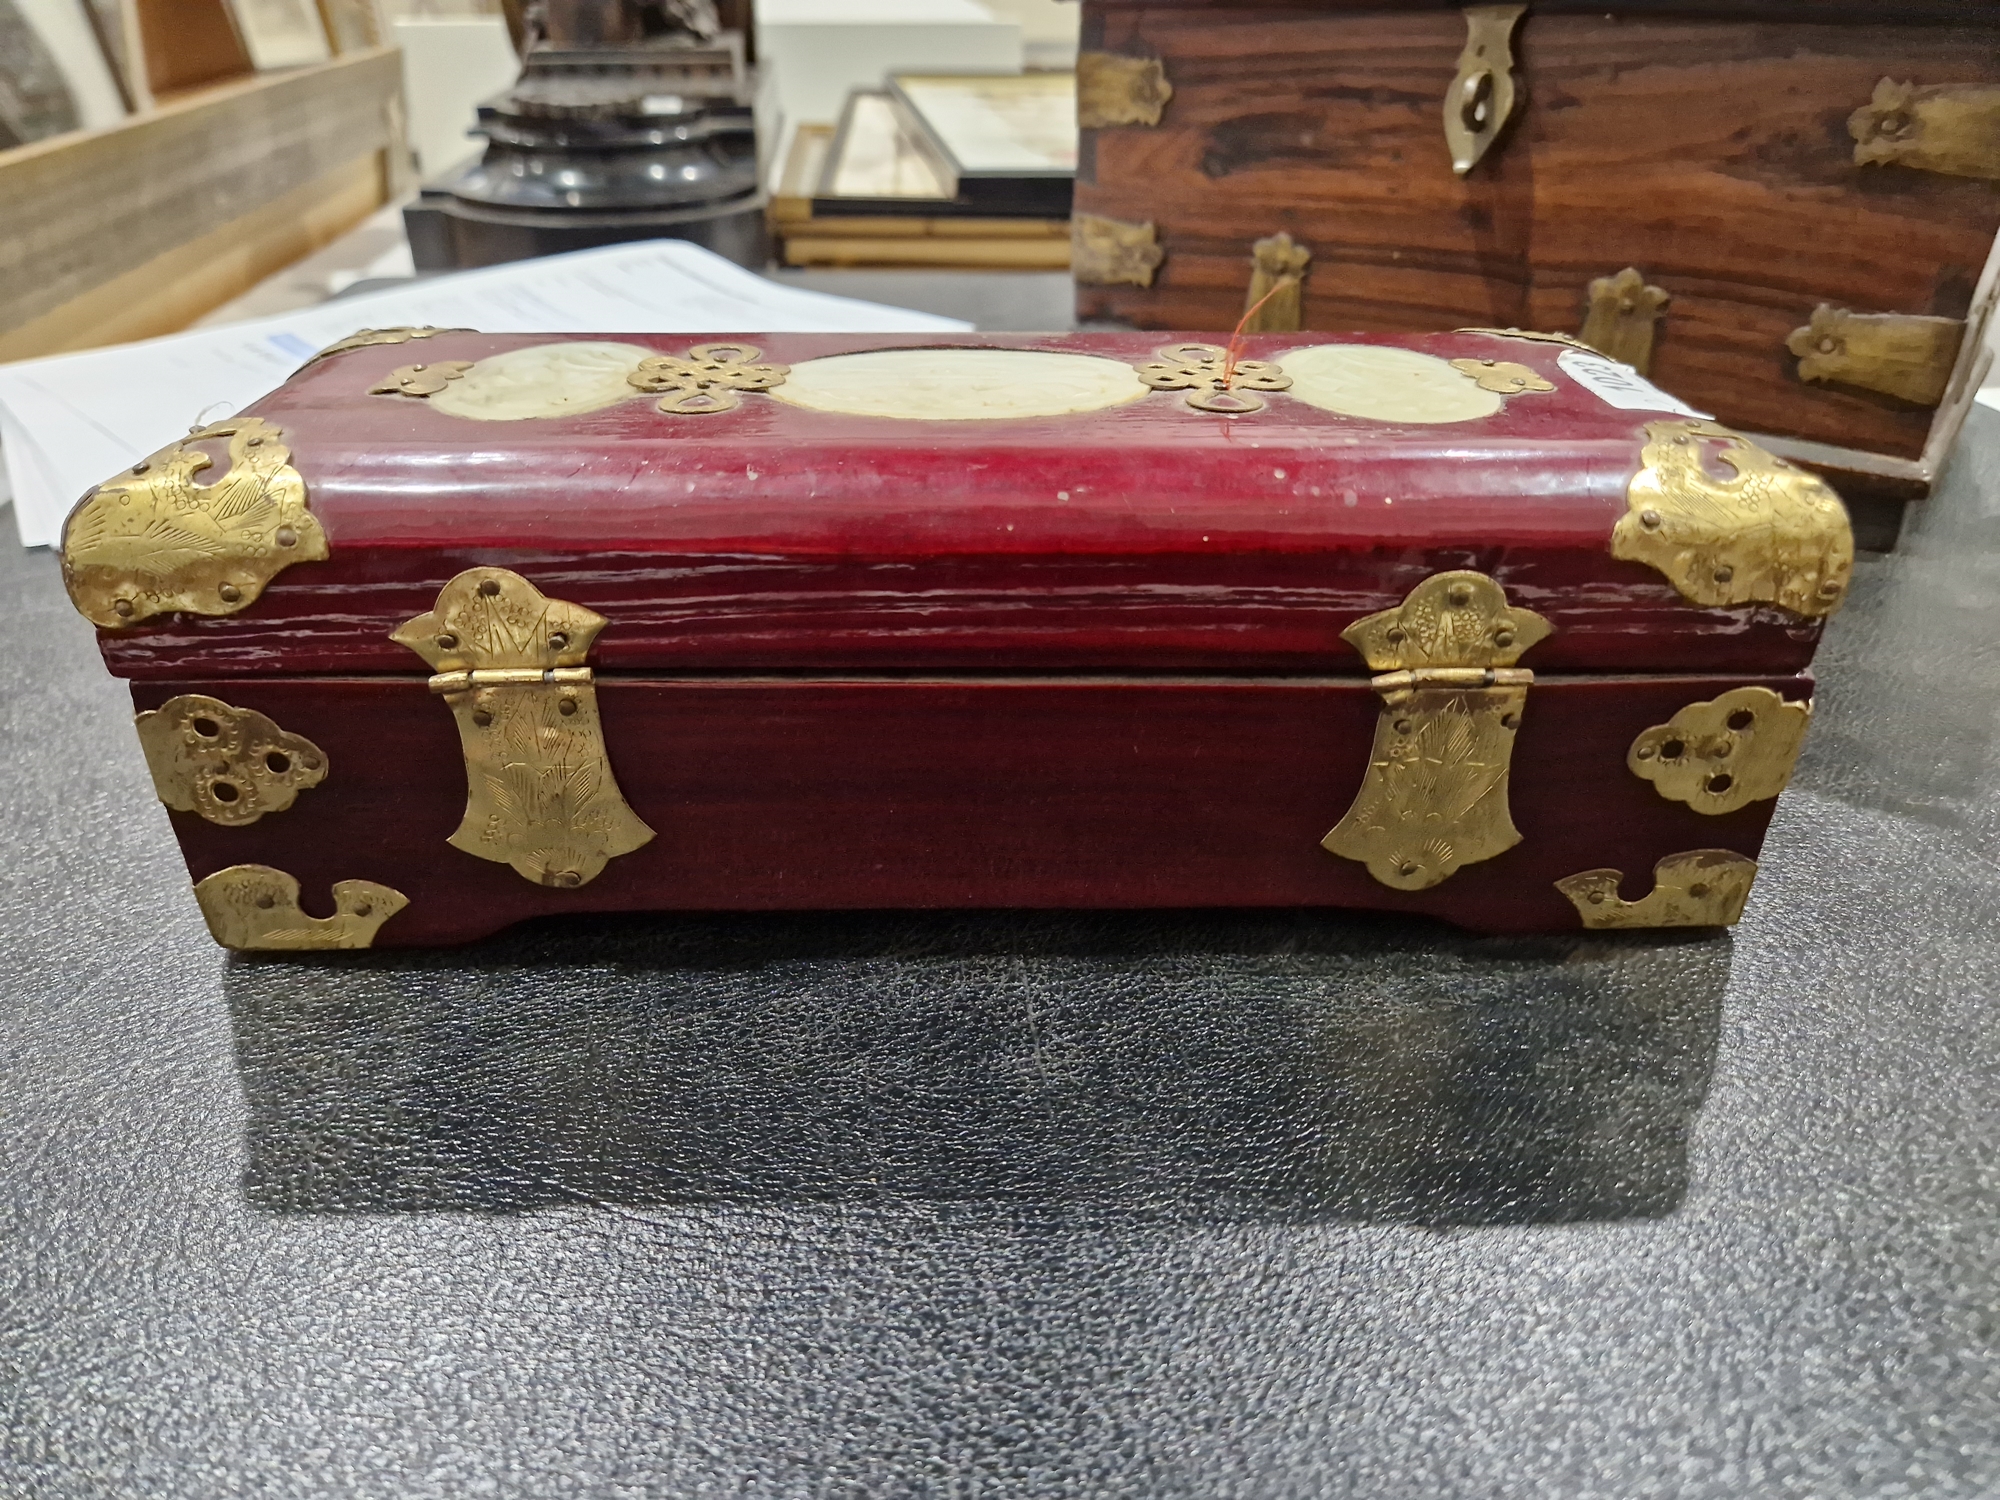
(455, 629)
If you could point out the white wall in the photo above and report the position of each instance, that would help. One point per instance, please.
(450, 63)
(820, 50)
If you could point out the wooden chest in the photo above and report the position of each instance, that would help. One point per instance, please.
(456, 629)
(1782, 213)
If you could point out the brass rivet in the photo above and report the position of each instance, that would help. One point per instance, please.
(566, 706)
(1828, 346)
(230, 593)
(1650, 519)
(1597, 898)
(1396, 637)
(267, 902)
(286, 537)
(255, 442)
(490, 587)
(558, 640)
(1510, 721)
(141, 467)
(1503, 637)
(416, 367)
(1724, 573)
(1460, 594)
(569, 880)
(1402, 726)
(1409, 867)
(482, 717)
(122, 608)
(1828, 589)
(1644, 752)
(363, 909)
(1697, 891)
(447, 642)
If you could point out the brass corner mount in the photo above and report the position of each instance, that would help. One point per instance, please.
(152, 540)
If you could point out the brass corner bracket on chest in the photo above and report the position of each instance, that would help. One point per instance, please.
(1434, 797)
(153, 541)
(228, 765)
(1765, 533)
(1701, 888)
(509, 661)
(255, 909)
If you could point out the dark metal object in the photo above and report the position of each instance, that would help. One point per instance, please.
(600, 145)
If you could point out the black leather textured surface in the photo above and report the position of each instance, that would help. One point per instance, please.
(1258, 1204)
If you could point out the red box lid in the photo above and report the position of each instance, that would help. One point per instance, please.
(1098, 502)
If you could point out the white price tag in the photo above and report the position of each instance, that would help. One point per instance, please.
(1620, 385)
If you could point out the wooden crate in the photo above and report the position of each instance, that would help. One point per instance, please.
(140, 228)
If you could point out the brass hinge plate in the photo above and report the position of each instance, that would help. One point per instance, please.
(1952, 128)
(1114, 90)
(1434, 797)
(1906, 355)
(1276, 300)
(509, 661)
(1622, 318)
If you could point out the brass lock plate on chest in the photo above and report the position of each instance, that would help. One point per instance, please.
(1434, 797)
(509, 662)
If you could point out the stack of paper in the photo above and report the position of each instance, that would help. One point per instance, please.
(69, 422)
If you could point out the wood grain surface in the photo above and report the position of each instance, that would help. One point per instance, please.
(825, 793)
(1713, 155)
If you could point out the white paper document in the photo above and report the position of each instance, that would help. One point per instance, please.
(73, 420)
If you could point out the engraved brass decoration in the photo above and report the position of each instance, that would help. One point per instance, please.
(1212, 381)
(706, 379)
(1114, 90)
(364, 338)
(1622, 318)
(1701, 888)
(509, 661)
(1275, 303)
(1483, 97)
(254, 908)
(1500, 377)
(1953, 128)
(421, 380)
(1111, 252)
(1725, 753)
(1434, 797)
(231, 765)
(153, 540)
(1905, 355)
(1766, 534)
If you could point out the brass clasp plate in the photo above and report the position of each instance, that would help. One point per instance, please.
(1483, 96)
(1435, 794)
(540, 795)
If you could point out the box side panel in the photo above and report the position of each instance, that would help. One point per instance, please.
(771, 794)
